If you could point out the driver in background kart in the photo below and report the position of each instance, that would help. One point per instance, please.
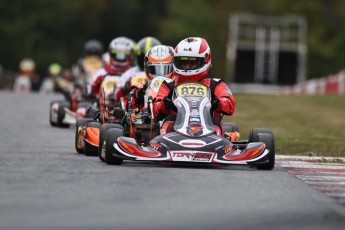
(192, 62)
(158, 66)
(124, 86)
(122, 58)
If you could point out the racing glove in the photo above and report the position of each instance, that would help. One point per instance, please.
(215, 103)
(139, 96)
(169, 104)
(118, 112)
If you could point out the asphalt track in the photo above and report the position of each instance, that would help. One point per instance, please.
(45, 184)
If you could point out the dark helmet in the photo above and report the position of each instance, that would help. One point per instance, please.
(142, 47)
(93, 47)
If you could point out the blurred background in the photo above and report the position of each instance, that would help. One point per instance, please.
(56, 30)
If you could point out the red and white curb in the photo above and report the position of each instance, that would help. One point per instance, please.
(319, 172)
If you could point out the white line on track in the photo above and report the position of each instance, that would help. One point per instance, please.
(318, 173)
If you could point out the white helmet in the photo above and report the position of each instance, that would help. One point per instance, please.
(121, 51)
(158, 61)
(192, 59)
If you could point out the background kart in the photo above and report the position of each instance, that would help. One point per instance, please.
(91, 132)
(194, 139)
(65, 113)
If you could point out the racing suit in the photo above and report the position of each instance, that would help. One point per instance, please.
(222, 100)
(123, 88)
(101, 74)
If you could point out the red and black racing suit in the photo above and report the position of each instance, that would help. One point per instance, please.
(223, 102)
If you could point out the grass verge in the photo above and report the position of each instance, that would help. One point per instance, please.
(302, 125)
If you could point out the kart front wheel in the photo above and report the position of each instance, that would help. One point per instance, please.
(265, 136)
(110, 139)
(102, 135)
(79, 137)
(61, 114)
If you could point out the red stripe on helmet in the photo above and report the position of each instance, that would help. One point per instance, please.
(203, 46)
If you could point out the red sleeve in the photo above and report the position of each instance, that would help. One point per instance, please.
(96, 84)
(159, 109)
(227, 103)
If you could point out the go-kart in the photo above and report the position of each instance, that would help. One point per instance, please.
(65, 113)
(194, 138)
(90, 132)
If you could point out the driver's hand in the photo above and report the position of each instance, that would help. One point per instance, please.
(215, 104)
(169, 104)
(118, 112)
(139, 96)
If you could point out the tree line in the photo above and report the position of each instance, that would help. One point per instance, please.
(56, 30)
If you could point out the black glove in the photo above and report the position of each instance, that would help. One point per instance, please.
(118, 112)
(139, 95)
(169, 104)
(215, 103)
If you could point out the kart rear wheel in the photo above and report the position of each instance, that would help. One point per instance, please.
(85, 105)
(110, 139)
(265, 136)
(61, 114)
(89, 149)
(230, 127)
(80, 123)
(102, 135)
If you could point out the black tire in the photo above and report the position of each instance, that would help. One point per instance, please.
(61, 115)
(102, 134)
(110, 139)
(91, 150)
(50, 114)
(265, 136)
(230, 127)
(85, 105)
(80, 122)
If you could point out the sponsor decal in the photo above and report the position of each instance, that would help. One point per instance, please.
(93, 131)
(194, 113)
(192, 143)
(227, 148)
(154, 145)
(126, 147)
(191, 156)
(256, 152)
(202, 156)
(181, 156)
(228, 91)
(185, 49)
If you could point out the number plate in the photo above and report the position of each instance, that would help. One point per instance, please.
(191, 90)
(138, 80)
(110, 83)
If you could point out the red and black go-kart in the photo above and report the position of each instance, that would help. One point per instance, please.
(90, 132)
(194, 138)
(65, 113)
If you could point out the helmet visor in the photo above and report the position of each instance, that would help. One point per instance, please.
(161, 69)
(120, 55)
(189, 63)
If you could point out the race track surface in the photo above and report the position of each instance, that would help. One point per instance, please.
(45, 184)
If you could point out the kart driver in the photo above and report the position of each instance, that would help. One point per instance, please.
(140, 49)
(158, 66)
(122, 58)
(192, 62)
